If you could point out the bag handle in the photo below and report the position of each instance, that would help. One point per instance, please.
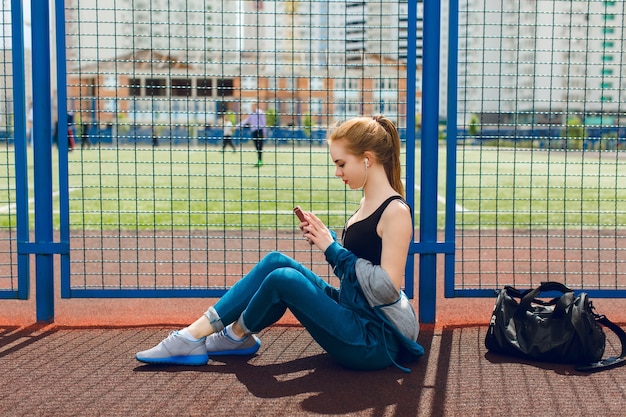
(531, 295)
(545, 286)
(553, 286)
(611, 361)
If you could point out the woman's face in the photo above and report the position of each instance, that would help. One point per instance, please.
(350, 168)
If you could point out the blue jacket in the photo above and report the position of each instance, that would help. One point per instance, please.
(366, 289)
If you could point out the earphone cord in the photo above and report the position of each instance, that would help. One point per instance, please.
(364, 181)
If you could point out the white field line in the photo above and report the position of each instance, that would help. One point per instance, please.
(11, 207)
(442, 200)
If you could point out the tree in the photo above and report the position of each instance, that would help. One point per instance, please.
(474, 125)
(574, 133)
(308, 125)
(271, 118)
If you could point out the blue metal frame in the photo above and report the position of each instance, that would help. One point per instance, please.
(64, 197)
(19, 144)
(411, 70)
(147, 293)
(44, 247)
(428, 247)
(451, 133)
(490, 292)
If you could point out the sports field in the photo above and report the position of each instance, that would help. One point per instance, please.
(526, 188)
(202, 187)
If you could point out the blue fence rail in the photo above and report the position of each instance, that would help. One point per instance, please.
(181, 135)
(596, 138)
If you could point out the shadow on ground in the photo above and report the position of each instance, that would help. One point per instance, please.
(55, 371)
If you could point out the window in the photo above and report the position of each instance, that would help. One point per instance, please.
(317, 83)
(109, 105)
(181, 87)
(204, 87)
(386, 84)
(90, 87)
(222, 107)
(110, 81)
(317, 107)
(155, 87)
(249, 83)
(134, 87)
(225, 87)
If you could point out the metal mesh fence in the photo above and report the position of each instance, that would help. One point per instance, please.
(542, 131)
(8, 273)
(160, 197)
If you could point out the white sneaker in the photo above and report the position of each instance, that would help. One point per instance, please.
(177, 350)
(221, 344)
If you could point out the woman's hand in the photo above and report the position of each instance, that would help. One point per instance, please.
(315, 232)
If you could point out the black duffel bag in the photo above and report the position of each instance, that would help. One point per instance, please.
(564, 329)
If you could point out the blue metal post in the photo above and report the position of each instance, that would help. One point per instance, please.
(42, 123)
(64, 208)
(429, 161)
(451, 133)
(411, 69)
(20, 139)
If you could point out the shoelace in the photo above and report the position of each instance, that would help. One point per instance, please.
(172, 334)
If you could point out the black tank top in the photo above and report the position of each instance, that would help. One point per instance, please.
(361, 237)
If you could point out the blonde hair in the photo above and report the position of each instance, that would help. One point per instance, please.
(377, 135)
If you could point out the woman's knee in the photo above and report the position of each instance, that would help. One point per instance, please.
(277, 260)
(281, 276)
(286, 283)
(279, 269)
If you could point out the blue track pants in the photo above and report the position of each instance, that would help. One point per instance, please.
(278, 283)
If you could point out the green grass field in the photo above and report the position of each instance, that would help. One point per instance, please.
(513, 188)
(203, 188)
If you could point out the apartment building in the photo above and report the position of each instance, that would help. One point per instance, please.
(6, 64)
(328, 59)
(541, 62)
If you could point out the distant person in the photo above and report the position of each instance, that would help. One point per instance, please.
(84, 136)
(71, 142)
(367, 322)
(155, 137)
(257, 123)
(29, 125)
(227, 139)
(70, 132)
(55, 134)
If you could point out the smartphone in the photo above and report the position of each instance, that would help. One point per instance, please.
(298, 212)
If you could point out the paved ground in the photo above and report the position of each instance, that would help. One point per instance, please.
(65, 371)
(84, 365)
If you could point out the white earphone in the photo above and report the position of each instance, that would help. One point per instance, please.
(367, 162)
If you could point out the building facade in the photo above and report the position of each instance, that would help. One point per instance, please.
(541, 62)
(143, 62)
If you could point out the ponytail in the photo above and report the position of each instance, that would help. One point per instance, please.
(393, 168)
